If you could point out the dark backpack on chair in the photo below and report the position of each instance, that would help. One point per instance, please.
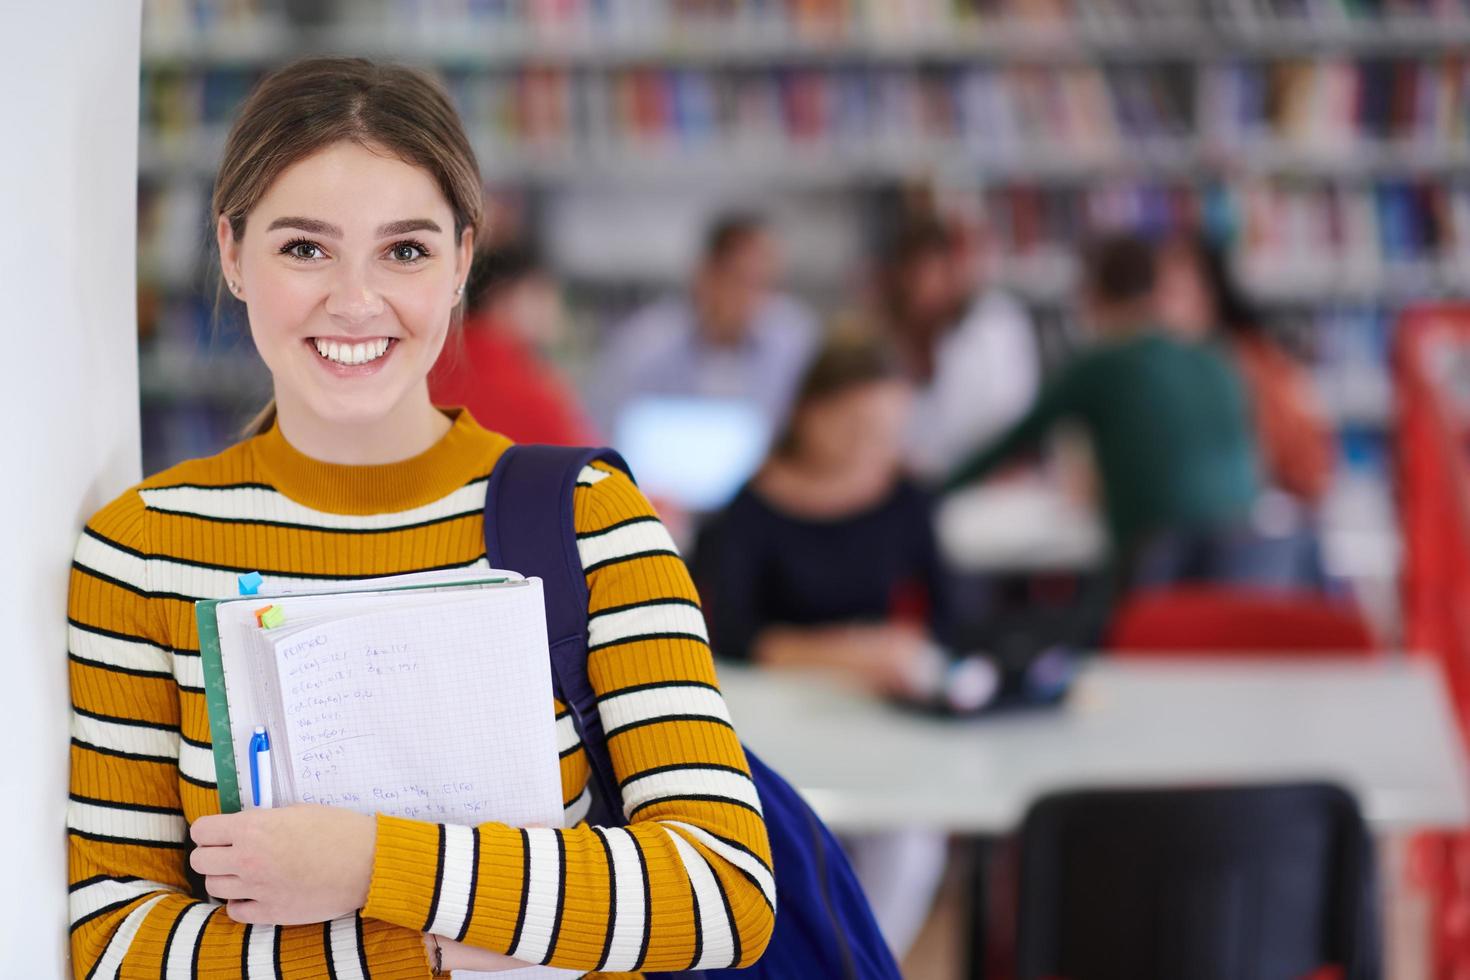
(824, 927)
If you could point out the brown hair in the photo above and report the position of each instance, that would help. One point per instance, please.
(917, 238)
(729, 232)
(853, 356)
(1119, 268)
(316, 102)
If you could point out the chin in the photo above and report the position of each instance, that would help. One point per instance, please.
(361, 408)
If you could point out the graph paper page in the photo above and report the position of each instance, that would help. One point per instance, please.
(427, 707)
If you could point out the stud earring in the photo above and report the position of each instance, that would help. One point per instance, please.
(459, 290)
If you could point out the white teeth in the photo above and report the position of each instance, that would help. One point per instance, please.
(351, 354)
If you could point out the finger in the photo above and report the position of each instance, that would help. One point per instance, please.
(244, 911)
(213, 860)
(225, 887)
(214, 830)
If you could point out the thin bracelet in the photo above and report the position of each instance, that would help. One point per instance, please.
(438, 956)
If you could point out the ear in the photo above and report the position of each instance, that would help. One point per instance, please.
(464, 255)
(229, 250)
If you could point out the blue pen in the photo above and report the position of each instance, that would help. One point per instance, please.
(260, 768)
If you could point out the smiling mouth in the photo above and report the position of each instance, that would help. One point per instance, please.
(352, 355)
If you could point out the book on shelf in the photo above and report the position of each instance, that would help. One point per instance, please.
(516, 24)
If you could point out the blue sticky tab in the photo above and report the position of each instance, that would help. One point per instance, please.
(249, 584)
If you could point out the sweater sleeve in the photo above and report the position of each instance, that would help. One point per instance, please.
(1058, 399)
(1295, 436)
(132, 912)
(687, 884)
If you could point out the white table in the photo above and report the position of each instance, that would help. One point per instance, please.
(1384, 730)
(1023, 524)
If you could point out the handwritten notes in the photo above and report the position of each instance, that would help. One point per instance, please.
(435, 707)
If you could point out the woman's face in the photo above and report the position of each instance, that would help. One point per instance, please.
(348, 269)
(1181, 296)
(860, 428)
(927, 291)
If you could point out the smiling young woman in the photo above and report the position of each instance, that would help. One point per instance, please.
(346, 210)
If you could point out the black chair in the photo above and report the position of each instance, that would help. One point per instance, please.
(1250, 883)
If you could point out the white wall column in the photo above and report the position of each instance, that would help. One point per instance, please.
(68, 405)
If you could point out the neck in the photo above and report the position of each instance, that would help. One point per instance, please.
(816, 487)
(1123, 320)
(412, 427)
(719, 333)
(916, 349)
(715, 330)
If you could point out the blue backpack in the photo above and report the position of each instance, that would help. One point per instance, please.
(824, 926)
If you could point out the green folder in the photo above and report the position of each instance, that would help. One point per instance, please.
(219, 705)
(206, 616)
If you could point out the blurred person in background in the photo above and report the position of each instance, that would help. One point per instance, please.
(970, 348)
(1170, 431)
(1198, 298)
(731, 337)
(827, 561)
(497, 371)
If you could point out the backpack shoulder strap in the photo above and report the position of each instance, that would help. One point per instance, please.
(530, 528)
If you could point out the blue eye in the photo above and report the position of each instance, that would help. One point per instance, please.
(290, 248)
(411, 246)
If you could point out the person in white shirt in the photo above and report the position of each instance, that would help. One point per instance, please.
(970, 349)
(732, 336)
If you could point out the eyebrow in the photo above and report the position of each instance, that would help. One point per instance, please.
(315, 227)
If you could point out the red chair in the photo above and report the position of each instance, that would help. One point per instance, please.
(1434, 506)
(1211, 619)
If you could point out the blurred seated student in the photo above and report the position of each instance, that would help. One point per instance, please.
(731, 337)
(1199, 299)
(969, 348)
(496, 371)
(1170, 432)
(827, 561)
(827, 557)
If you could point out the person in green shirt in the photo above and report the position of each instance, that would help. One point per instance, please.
(1170, 431)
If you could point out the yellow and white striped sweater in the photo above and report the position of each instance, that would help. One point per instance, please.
(686, 884)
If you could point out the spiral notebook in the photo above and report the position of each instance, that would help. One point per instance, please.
(425, 696)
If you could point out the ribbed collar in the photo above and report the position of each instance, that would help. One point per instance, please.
(462, 454)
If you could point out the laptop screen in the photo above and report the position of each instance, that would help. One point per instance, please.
(694, 451)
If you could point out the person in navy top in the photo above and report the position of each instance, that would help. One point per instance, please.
(826, 560)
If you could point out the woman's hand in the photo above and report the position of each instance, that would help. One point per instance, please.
(886, 659)
(294, 865)
(458, 956)
(894, 658)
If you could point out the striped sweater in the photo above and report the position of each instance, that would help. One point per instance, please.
(686, 884)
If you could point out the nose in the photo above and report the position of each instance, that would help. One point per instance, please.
(352, 298)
